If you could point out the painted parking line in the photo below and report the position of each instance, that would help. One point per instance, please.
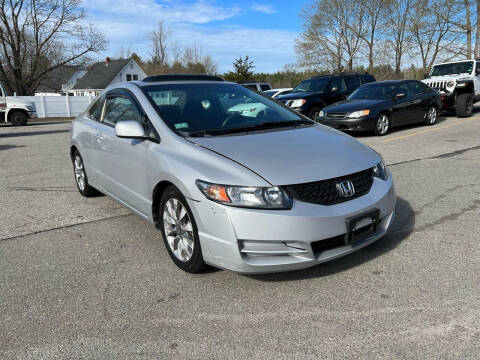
(458, 122)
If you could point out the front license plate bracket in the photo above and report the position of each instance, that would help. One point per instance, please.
(362, 225)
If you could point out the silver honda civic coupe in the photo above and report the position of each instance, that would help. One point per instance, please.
(230, 177)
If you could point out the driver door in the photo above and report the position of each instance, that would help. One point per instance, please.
(337, 91)
(122, 162)
(403, 108)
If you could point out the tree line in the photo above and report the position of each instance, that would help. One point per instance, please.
(339, 35)
(379, 36)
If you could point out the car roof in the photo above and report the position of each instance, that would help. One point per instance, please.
(342, 74)
(386, 82)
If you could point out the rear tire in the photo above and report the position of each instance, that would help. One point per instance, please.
(179, 231)
(464, 105)
(313, 113)
(19, 118)
(81, 178)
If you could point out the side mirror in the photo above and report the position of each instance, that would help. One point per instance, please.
(400, 96)
(334, 89)
(130, 129)
(477, 71)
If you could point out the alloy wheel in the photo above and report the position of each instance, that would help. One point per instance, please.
(432, 115)
(79, 172)
(178, 229)
(383, 124)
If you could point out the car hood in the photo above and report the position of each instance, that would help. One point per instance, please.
(15, 101)
(294, 156)
(299, 95)
(354, 105)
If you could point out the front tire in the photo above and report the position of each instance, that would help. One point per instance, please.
(179, 231)
(19, 118)
(81, 178)
(464, 105)
(382, 125)
(431, 116)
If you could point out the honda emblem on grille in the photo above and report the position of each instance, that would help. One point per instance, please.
(346, 189)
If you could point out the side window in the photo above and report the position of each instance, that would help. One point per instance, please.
(367, 78)
(120, 108)
(352, 82)
(338, 83)
(95, 112)
(403, 89)
(265, 87)
(418, 88)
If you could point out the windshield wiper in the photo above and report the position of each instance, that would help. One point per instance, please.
(261, 126)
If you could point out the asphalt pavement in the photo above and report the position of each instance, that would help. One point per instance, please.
(86, 279)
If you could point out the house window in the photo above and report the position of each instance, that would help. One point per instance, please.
(129, 77)
(135, 77)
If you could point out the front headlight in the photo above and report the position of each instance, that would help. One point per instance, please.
(380, 171)
(246, 196)
(297, 103)
(357, 114)
(321, 114)
(450, 83)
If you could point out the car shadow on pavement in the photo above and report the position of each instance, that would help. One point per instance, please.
(32, 133)
(401, 228)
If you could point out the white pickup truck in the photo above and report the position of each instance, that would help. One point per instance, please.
(15, 110)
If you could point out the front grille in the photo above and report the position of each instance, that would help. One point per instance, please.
(325, 192)
(335, 115)
(437, 84)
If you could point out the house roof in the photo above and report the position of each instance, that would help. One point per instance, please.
(100, 75)
(53, 81)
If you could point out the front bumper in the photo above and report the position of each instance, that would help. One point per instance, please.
(264, 241)
(32, 114)
(360, 124)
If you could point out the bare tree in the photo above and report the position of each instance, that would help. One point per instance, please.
(399, 14)
(477, 32)
(432, 32)
(334, 40)
(38, 36)
(159, 39)
(375, 14)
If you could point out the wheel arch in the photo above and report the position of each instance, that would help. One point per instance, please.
(12, 111)
(73, 148)
(157, 193)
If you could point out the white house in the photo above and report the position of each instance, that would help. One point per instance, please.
(102, 74)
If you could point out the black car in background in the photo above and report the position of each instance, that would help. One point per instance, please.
(382, 105)
(312, 95)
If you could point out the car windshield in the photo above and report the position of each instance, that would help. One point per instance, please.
(373, 91)
(316, 84)
(209, 109)
(465, 67)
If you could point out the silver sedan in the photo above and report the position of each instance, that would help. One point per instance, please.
(231, 178)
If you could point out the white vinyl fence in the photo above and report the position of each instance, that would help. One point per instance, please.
(59, 106)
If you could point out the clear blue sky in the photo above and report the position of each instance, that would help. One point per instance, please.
(264, 30)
